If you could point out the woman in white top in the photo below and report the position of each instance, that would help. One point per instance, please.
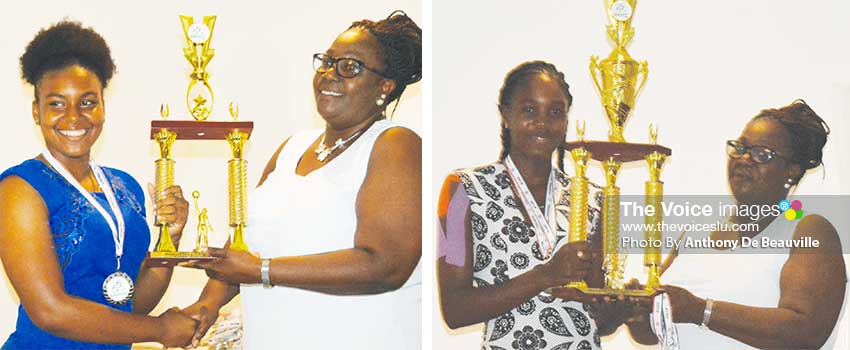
(789, 298)
(336, 218)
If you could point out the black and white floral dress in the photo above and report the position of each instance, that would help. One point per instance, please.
(505, 246)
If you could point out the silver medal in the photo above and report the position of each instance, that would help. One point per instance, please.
(118, 288)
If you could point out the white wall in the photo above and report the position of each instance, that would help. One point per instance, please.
(712, 66)
(263, 61)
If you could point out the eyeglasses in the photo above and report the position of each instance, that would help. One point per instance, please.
(344, 67)
(759, 154)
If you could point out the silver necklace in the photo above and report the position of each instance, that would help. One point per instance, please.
(323, 152)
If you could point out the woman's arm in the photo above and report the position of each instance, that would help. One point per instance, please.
(28, 256)
(464, 304)
(812, 284)
(151, 284)
(215, 295)
(387, 241)
(152, 281)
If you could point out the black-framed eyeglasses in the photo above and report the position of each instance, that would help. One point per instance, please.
(344, 67)
(759, 154)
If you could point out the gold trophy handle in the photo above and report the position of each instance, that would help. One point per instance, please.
(644, 73)
(594, 67)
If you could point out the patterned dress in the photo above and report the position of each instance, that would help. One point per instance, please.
(505, 246)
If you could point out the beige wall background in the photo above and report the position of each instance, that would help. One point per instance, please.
(712, 66)
(263, 61)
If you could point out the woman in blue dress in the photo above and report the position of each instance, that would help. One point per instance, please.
(73, 235)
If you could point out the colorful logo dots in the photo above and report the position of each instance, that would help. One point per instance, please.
(793, 210)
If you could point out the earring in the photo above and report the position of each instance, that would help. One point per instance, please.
(788, 183)
(380, 101)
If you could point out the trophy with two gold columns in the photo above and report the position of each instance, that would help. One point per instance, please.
(619, 74)
(199, 102)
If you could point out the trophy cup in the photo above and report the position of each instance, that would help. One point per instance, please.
(619, 71)
(619, 75)
(199, 102)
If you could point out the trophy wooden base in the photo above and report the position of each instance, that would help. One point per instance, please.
(586, 294)
(197, 130)
(168, 259)
(618, 151)
(618, 292)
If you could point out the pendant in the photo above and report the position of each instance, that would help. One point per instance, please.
(324, 154)
(118, 288)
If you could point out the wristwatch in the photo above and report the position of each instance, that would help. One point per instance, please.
(264, 273)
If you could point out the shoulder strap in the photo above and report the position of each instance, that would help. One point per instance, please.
(294, 148)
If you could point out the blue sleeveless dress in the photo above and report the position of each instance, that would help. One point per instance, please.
(84, 245)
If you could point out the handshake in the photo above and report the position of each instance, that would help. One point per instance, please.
(186, 327)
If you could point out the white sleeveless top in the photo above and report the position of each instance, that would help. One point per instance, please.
(742, 277)
(292, 215)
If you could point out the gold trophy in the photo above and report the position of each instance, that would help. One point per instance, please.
(199, 102)
(619, 75)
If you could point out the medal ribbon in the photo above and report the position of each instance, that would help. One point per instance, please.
(543, 224)
(100, 177)
(662, 323)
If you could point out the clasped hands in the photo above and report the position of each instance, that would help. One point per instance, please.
(573, 261)
(685, 306)
(185, 328)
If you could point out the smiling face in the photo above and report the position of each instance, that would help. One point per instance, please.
(346, 102)
(754, 183)
(69, 110)
(537, 117)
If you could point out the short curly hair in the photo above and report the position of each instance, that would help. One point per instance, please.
(401, 47)
(65, 44)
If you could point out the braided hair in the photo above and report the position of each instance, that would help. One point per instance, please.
(517, 79)
(62, 45)
(807, 131)
(400, 40)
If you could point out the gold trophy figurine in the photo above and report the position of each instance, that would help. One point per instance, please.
(203, 226)
(618, 89)
(199, 96)
(619, 70)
